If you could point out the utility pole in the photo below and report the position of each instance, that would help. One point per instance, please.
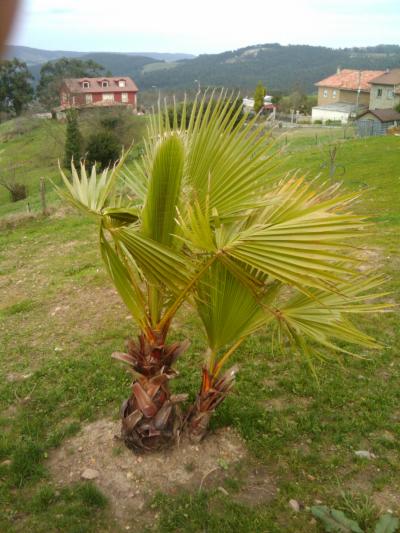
(358, 92)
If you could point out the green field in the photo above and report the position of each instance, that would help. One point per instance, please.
(60, 321)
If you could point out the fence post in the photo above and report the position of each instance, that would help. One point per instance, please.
(43, 196)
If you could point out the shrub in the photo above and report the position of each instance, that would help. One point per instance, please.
(18, 191)
(103, 148)
(333, 122)
(73, 141)
(111, 122)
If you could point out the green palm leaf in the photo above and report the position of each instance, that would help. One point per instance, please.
(164, 190)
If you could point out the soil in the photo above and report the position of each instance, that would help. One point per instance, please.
(370, 259)
(130, 481)
(388, 500)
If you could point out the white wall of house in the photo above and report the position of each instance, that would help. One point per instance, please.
(325, 114)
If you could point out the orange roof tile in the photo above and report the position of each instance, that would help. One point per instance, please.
(351, 80)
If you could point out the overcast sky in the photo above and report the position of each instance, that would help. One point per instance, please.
(206, 26)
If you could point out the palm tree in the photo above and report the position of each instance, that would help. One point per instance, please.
(202, 220)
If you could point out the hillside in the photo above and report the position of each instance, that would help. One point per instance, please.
(281, 68)
(34, 56)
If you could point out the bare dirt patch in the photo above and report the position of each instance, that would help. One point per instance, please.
(257, 488)
(388, 499)
(130, 481)
(370, 259)
(283, 403)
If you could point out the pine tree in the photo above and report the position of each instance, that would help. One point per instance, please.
(73, 140)
(259, 94)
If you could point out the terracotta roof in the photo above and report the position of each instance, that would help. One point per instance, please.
(75, 85)
(384, 115)
(351, 80)
(391, 77)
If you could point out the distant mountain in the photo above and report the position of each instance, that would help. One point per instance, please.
(115, 64)
(162, 56)
(34, 56)
(280, 68)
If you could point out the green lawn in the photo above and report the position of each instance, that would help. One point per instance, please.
(60, 321)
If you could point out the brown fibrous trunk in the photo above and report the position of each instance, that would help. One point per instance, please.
(213, 391)
(151, 418)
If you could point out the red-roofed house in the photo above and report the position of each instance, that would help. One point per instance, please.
(98, 92)
(345, 93)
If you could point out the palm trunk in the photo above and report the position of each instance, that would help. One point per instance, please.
(150, 416)
(213, 391)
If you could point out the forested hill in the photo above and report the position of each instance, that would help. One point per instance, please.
(281, 68)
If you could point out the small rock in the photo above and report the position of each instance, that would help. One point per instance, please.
(365, 454)
(7, 462)
(89, 473)
(139, 459)
(129, 475)
(80, 449)
(294, 504)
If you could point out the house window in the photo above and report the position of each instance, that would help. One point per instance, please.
(334, 93)
(104, 83)
(121, 83)
(325, 93)
(379, 92)
(109, 97)
(390, 94)
(124, 97)
(86, 85)
(88, 98)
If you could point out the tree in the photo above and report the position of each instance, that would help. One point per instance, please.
(103, 148)
(205, 223)
(15, 88)
(73, 140)
(259, 94)
(53, 72)
(298, 101)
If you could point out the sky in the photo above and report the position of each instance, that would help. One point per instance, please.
(209, 26)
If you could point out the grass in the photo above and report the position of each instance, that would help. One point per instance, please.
(30, 148)
(60, 320)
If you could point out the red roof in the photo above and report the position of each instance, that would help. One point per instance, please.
(75, 85)
(351, 80)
